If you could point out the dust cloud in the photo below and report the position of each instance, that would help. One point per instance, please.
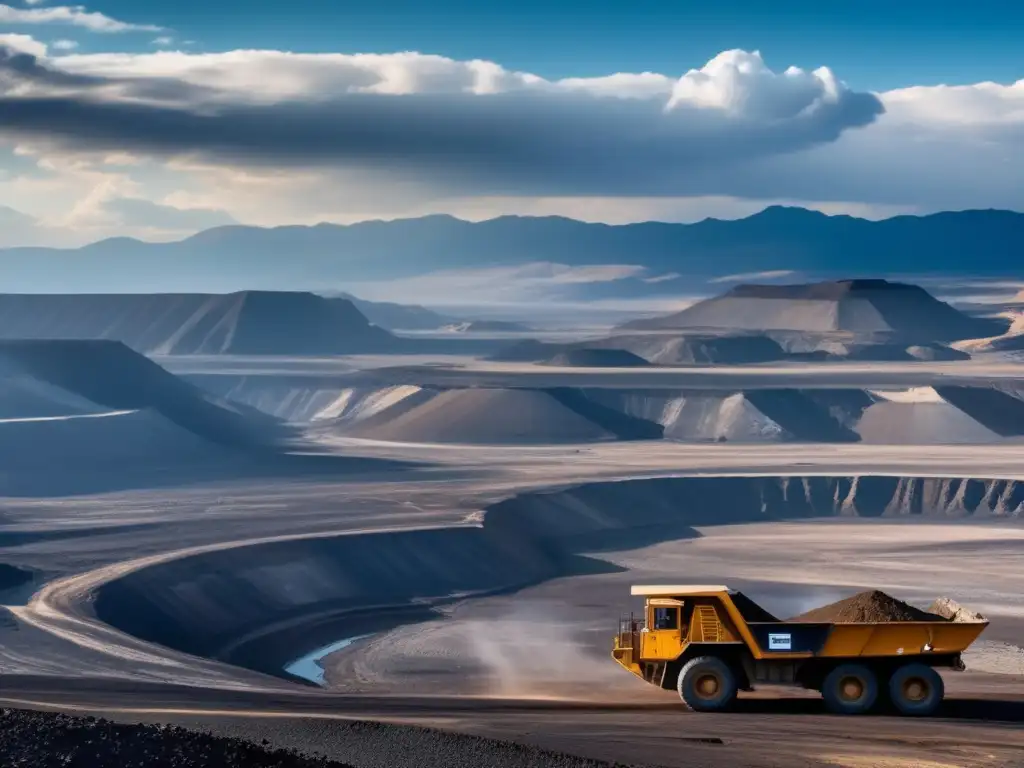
(540, 652)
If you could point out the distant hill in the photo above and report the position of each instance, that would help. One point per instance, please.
(862, 307)
(487, 326)
(246, 323)
(54, 378)
(659, 349)
(580, 357)
(327, 255)
(399, 317)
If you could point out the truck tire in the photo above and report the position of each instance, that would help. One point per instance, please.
(850, 689)
(916, 689)
(707, 684)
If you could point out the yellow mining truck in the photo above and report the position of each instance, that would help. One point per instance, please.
(708, 642)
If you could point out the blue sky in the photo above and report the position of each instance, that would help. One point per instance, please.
(155, 119)
(874, 45)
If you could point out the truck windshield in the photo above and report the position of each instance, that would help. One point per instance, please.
(666, 618)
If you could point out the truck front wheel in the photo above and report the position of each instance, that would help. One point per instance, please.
(916, 689)
(850, 689)
(707, 684)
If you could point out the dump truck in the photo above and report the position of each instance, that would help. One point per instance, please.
(709, 642)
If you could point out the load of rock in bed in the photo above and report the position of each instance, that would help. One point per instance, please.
(49, 740)
(872, 606)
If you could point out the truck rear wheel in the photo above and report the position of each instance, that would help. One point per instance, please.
(916, 689)
(850, 689)
(707, 684)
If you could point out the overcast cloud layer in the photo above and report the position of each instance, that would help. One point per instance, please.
(267, 137)
(466, 127)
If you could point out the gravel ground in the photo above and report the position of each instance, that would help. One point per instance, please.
(48, 740)
(368, 744)
(30, 739)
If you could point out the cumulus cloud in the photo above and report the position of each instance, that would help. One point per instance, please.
(65, 45)
(21, 75)
(73, 15)
(469, 126)
(14, 44)
(297, 138)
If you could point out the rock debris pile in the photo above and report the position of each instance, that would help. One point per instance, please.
(952, 610)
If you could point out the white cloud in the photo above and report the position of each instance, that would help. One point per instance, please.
(74, 15)
(34, 2)
(469, 128)
(275, 137)
(65, 45)
(984, 104)
(740, 84)
(753, 277)
(23, 44)
(163, 40)
(115, 203)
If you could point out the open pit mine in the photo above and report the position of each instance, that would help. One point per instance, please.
(259, 517)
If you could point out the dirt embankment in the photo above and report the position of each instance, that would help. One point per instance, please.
(769, 415)
(92, 416)
(230, 603)
(408, 413)
(110, 375)
(503, 416)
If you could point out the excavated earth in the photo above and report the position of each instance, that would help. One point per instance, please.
(192, 604)
(186, 601)
(369, 406)
(867, 607)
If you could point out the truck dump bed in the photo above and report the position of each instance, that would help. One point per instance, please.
(896, 638)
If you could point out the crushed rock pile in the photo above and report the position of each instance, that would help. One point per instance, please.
(867, 607)
(952, 610)
(50, 740)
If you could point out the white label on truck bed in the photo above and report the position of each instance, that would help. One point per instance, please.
(780, 641)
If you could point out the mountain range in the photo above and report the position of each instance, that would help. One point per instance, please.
(337, 257)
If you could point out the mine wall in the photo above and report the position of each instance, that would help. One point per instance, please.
(204, 603)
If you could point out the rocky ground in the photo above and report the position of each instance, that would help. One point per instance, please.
(30, 739)
(48, 740)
